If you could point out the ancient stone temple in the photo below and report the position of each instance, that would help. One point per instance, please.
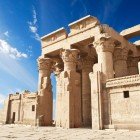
(97, 77)
(19, 108)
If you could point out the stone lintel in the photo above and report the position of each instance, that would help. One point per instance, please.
(14, 96)
(83, 24)
(131, 32)
(29, 95)
(53, 37)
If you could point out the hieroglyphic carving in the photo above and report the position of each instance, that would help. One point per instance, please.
(128, 80)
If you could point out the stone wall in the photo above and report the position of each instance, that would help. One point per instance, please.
(124, 94)
(19, 108)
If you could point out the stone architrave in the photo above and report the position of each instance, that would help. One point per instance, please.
(45, 100)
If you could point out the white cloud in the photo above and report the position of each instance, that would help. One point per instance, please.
(110, 7)
(2, 98)
(7, 49)
(6, 33)
(33, 25)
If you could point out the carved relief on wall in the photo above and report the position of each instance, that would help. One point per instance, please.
(128, 80)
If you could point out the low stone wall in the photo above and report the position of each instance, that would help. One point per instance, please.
(124, 95)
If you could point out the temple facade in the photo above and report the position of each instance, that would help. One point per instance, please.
(97, 77)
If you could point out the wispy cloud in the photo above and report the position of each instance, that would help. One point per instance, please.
(6, 48)
(109, 8)
(73, 3)
(2, 98)
(33, 25)
(6, 33)
(29, 51)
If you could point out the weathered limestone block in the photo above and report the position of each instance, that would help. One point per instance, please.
(45, 103)
(71, 95)
(120, 62)
(87, 64)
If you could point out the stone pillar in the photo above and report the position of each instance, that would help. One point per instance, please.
(45, 100)
(120, 62)
(132, 64)
(71, 96)
(104, 47)
(87, 64)
(58, 68)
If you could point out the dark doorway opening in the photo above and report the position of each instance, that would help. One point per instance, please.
(13, 117)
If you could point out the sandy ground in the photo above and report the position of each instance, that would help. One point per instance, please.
(22, 132)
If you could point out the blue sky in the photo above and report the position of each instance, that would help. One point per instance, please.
(23, 22)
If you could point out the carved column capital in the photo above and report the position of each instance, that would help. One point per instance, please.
(120, 54)
(44, 63)
(69, 55)
(70, 58)
(105, 44)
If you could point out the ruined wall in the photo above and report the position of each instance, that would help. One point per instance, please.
(19, 108)
(124, 94)
(28, 109)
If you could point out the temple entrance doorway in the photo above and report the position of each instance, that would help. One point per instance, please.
(13, 117)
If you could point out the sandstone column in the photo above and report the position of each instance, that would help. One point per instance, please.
(45, 99)
(104, 47)
(87, 64)
(120, 62)
(71, 96)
